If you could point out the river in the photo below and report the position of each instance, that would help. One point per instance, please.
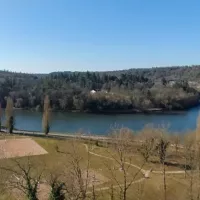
(101, 124)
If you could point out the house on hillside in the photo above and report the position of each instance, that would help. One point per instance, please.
(171, 82)
(92, 92)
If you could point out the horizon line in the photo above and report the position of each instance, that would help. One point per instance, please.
(125, 69)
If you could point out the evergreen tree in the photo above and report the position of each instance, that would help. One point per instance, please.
(46, 115)
(9, 115)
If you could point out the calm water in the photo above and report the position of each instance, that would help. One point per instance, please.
(101, 124)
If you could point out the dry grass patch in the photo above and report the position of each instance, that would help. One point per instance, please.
(172, 163)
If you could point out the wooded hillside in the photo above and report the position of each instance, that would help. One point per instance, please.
(167, 88)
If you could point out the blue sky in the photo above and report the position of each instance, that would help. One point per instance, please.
(56, 35)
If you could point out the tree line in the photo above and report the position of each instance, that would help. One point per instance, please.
(125, 91)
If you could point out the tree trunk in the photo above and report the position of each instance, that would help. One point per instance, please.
(164, 182)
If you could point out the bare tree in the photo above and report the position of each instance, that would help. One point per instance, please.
(78, 177)
(198, 130)
(197, 176)
(189, 151)
(192, 162)
(148, 137)
(9, 115)
(140, 190)
(147, 147)
(0, 116)
(94, 195)
(197, 138)
(121, 147)
(198, 156)
(24, 178)
(46, 115)
(162, 145)
(111, 192)
(176, 142)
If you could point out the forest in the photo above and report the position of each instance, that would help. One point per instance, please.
(133, 90)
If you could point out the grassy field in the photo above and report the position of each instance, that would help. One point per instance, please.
(59, 163)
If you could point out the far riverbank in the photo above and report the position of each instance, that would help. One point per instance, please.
(113, 112)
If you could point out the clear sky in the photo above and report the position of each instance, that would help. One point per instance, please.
(56, 35)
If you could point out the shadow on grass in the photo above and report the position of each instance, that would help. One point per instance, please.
(174, 164)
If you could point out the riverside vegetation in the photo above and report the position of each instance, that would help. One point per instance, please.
(134, 90)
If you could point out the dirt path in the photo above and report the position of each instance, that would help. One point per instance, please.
(116, 186)
(144, 172)
(95, 154)
(169, 172)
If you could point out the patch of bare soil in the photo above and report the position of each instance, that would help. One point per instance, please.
(43, 191)
(10, 148)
